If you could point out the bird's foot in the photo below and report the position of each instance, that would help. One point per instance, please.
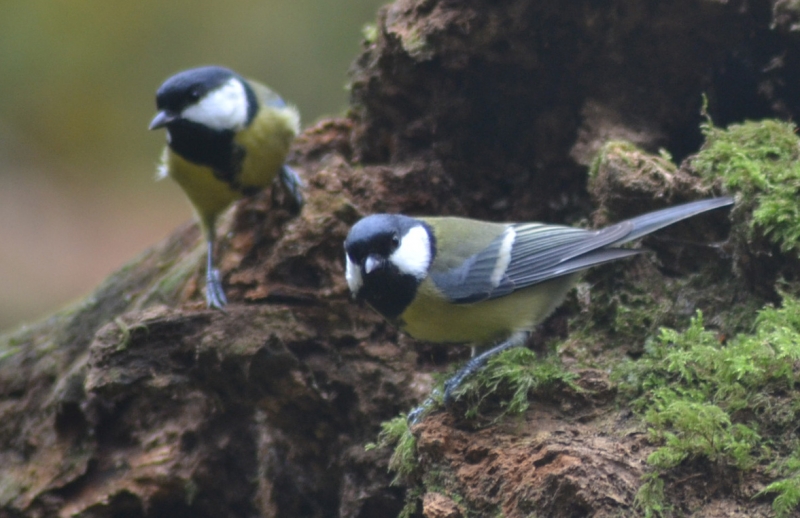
(293, 184)
(215, 295)
(422, 410)
(455, 381)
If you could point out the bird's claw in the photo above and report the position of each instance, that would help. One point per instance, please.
(293, 184)
(422, 410)
(215, 295)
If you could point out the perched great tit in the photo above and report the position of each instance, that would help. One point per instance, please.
(446, 279)
(227, 137)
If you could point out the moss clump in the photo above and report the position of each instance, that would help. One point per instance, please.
(403, 462)
(622, 169)
(787, 489)
(370, 33)
(510, 378)
(761, 161)
(620, 314)
(396, 433)
(719, 402)
(629, 156)
(507, 380)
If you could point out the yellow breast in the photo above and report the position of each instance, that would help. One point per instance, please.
(266, 142)
(430, 317)
(209, 195)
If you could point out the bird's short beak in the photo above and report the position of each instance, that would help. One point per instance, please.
(161, 119)
(371, 263)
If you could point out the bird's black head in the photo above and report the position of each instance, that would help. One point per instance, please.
(189, 87)
(202, 109)
(212, 96)
(388, 256)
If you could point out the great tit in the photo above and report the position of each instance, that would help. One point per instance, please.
(447, 279)
(227, 137)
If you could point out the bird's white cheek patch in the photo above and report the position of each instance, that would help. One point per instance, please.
(222, 109)
(353, 275)
(503, 256)
(413, 256)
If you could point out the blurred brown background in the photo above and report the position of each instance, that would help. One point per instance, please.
(78, 197)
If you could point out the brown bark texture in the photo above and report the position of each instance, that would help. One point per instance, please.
(139, 402)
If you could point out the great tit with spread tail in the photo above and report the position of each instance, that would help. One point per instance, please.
(447, 279)
(227, 137)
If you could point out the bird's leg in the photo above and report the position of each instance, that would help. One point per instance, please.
(478, 362)
(293, 184)
(215, 296)
(415, 415)
(474, 365)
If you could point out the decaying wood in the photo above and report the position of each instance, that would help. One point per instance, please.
(138, 401)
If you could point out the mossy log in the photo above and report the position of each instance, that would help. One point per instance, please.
(138, 401)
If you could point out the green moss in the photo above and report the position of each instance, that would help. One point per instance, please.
(125, 332)
(190, 491)
(397, 434)
(511, 377)
(621, 305)
(414, 43)
(370, 33)
(761, 162)
(445, 483)
(787, 489)
(7, 350)
(508, 380)
(626, 312)
(411, 505)
(650, 497)
(733, 404)
(624, 154)
(691, 429)
(788, 498)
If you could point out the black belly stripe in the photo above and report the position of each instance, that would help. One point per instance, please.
(215, 149)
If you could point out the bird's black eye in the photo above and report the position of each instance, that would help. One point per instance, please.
(395, 240)
(194, 94)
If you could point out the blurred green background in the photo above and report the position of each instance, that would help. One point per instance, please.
(77, 81)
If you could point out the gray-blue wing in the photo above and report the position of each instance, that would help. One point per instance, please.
(530, 253)
(523, 255)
